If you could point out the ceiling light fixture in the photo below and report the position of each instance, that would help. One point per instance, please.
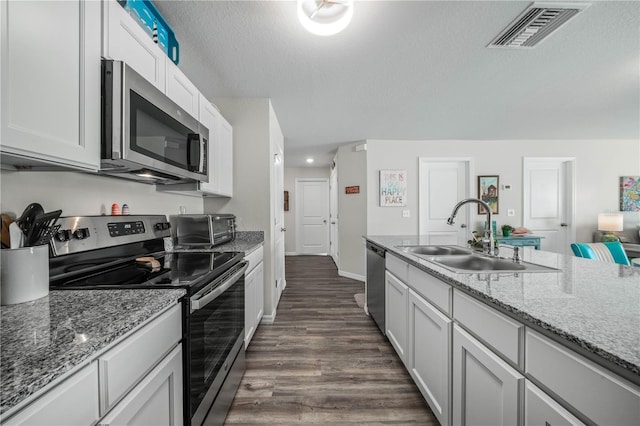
(325, 17)
(309, 160)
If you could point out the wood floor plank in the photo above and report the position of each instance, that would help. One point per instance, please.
(324, 361)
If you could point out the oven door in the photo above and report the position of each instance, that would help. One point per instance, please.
(215, 335)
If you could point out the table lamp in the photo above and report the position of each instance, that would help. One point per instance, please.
(610, 223)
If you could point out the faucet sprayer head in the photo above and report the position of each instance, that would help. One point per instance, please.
(450, 220)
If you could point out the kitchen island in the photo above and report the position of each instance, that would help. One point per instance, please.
(587, 310)
(47, 340)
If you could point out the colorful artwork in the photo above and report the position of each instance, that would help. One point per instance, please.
(488, 192)
(393, 188)
(630, 193)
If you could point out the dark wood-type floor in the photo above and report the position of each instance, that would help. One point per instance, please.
(324, 361)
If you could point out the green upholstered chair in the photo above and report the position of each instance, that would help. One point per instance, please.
(611, 252)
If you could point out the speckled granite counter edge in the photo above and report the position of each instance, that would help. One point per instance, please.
(40, 367)
(598, 355)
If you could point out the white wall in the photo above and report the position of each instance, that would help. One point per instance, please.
(352, 210)
(290, 176)
(86, 194)
(599, 165)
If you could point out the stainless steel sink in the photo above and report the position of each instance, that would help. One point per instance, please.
(474, 263)
(433, 250)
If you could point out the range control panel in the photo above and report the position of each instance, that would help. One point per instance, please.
(83, 233)
(125, 228)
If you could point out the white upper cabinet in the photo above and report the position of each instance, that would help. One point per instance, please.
(181, 90)
(125, 40)
(220, 150)
(50, 83)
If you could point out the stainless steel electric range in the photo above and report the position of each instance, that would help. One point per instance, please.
(107, 252)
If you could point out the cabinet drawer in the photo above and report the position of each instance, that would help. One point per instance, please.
(397, 267)
(73, 402)
(254, 258)
(601, 396)
(123, 366)
(431, 288)
(502, 333)
(541, 409)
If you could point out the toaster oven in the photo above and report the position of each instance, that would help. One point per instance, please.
(202, 230)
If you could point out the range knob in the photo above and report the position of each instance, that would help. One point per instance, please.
(63, 235)
(81, 233)
(161, 226)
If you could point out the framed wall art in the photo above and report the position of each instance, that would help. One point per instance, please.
(488, 192)
(630, 193)
(393, 188)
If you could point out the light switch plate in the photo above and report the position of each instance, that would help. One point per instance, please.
(406, 213)
(511, 212)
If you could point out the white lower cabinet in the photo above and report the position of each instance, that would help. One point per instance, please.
(396, 318)
(541, 410)
(486, 390)
(73, 402)
(429, 356)
(253, 294)
(156, 400)
(138, 381)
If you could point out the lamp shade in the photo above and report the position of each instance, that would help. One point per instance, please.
(611, 222)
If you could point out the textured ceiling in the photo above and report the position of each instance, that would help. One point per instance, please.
(416, 70)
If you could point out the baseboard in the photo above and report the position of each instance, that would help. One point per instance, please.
(295, 253)
(352, 276)
(268, 319)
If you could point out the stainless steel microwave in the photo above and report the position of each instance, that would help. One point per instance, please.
(145, 135)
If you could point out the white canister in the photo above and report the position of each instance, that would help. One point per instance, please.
(24, 274)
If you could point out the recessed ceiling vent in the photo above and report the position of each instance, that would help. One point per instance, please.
(535, 24)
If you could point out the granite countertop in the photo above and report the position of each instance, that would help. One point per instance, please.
(44, 339)
(245, 241)
(590, 306)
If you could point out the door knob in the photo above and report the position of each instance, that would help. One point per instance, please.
(283, 229)
(324, 221)
(463, 226)
(564, 225)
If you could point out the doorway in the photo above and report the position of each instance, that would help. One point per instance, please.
(549, 201)
(333, 214)
(312, 216)
(443, 182)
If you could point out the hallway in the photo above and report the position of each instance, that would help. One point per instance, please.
(324, 361)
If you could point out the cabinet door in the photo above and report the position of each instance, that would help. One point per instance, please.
(541, 409)
(126, 41)
(396, 318)
(429, 354)
(249, 306)
(207, 115)
(50, 71)
(486, 390)
(73, 402)
(181, 90)
(157, 400)
(225, 157)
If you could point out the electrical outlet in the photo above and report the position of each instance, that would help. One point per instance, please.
(511, 212)
(406, 213)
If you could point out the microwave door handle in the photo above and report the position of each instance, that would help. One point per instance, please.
(193, 152)
(209, 297)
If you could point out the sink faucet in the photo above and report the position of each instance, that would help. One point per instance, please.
(487, 237)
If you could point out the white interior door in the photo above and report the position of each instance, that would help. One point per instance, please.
(312, 216)
(278, 229)
(444, 182)
(549, 200)
(333, 215)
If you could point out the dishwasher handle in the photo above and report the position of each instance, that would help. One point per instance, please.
(375, 249)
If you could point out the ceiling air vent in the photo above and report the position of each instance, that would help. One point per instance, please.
(535, 24)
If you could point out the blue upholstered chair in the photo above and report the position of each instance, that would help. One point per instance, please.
(611, 252)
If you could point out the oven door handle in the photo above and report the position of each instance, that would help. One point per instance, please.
(207, 298)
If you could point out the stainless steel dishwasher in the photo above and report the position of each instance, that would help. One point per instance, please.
(375, 283)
